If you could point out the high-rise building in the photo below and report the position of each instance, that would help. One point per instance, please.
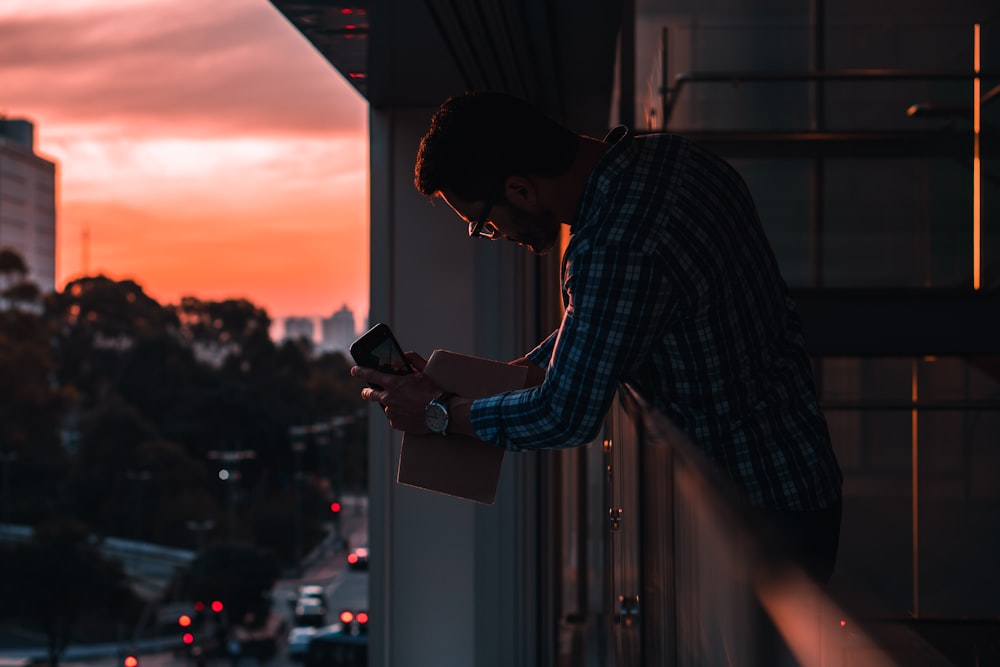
(28, 202)
(339, 330)
(299, 327)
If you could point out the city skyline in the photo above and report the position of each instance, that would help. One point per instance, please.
(335, 331)
(212, 154)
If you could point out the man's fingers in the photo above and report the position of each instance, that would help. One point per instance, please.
(417, 361)
(369, 394)
(373, 377)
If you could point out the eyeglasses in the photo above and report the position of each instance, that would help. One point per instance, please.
(483, 228)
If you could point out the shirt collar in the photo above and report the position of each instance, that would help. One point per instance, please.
(605, 171)
(617, 134)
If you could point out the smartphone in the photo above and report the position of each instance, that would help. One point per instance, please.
(377, 348)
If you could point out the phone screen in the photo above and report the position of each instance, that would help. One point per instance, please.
(388, 358)
(378, 349)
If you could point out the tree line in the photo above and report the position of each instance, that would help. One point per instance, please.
(172, 424)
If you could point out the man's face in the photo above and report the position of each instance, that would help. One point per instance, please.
(537, 230)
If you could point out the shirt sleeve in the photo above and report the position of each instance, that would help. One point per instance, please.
(542, 354)
(616, 303)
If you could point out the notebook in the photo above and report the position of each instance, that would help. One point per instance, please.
(459, 465)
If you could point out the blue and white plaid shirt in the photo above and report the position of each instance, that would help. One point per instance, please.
(670, 285)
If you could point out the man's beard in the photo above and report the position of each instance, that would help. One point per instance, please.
(544, 235)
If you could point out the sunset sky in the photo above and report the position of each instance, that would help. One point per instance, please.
(205, 149)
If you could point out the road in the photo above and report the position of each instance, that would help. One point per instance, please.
(345, 589)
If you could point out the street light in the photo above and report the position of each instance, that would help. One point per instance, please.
(231, 477)
(320, 430)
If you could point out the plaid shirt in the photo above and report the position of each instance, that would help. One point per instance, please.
(669, 285)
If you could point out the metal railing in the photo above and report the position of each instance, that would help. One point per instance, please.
(693, 578)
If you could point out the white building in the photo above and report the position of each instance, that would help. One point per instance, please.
(28, 202)
(339, 330)
(299, 327)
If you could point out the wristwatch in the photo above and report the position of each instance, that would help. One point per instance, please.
(436, 414)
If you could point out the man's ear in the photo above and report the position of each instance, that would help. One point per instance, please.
(521, 192)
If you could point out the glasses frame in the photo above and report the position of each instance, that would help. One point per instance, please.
(479, 228)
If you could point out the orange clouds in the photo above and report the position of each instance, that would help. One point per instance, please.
(207, 150)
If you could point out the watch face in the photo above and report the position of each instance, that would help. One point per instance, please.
(436, 417)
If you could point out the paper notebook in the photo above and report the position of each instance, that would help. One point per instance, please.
(459, 465)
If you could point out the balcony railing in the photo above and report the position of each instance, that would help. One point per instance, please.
(691, 576)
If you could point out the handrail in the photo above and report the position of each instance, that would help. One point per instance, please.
(709, 565)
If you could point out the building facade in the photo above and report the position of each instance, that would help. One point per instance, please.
(339, 330)
(28, 202)
(299, 327)
(860, 132)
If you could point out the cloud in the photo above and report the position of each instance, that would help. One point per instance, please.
(167, 170)
(206, 148)
(171, 69)
(290, 260)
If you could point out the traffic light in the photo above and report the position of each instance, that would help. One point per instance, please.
(130, 661)
(335, 507)
(217, 606)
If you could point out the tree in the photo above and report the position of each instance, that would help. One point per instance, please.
(236, 324)
(96, 320)
(105, 476)
(164, 391)
(12, 267)
(31, 410)
(176, 495)
(62, 579)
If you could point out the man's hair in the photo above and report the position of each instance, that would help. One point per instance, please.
(477, 140)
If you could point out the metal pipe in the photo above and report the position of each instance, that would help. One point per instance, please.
(739, 76)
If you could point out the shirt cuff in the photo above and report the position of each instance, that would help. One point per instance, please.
(485, 417)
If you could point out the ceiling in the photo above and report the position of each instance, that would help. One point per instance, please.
(411, 53)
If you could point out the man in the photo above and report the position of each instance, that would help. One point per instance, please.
(669, 285)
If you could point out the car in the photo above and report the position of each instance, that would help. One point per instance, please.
(300, 637)
(311, 591)
(310, 612)
(314, 591)
(357, 559)
(298, 641)
(337, 647)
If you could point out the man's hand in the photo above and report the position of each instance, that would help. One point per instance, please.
(402, 397)
(536, 374)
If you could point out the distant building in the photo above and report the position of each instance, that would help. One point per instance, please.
(299, 327)
(28, 202)
(339, 330)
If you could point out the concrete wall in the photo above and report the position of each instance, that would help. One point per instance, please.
(451, 580)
